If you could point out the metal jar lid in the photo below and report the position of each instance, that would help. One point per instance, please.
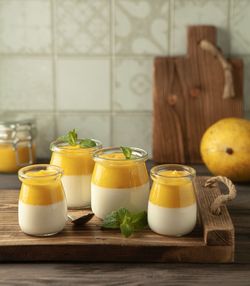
(17, 132)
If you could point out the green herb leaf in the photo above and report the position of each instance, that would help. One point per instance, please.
(121, 213)
(127, 152)
(87, 143)
(63, 138)
(111, 220)
(139, 220)
(126, 221)
(72, 137)
(126, 226)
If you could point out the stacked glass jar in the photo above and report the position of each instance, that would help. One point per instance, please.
(17, 144)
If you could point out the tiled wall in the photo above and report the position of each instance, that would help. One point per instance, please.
(87, 64)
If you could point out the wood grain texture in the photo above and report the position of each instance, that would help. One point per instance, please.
(90, 243)
(218, 229)
(124, 274)
(188, 99)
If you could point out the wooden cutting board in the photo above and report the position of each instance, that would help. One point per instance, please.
(188, 98)
(211, 241)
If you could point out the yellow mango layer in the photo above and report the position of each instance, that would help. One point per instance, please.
(74, 160)
(119, 174)
(172, 190)
(42, 188)
(8, 162)
(114, 156)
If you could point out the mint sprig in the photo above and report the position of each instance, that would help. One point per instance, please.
(72, 139)
(127, 152)
(87, 143)
(126, 221)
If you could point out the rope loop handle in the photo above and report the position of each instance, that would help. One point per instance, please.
(229, 91)
(222, 199)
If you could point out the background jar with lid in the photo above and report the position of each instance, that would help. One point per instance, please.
(42, 207)
(172, 208)
(118, 182)
(17, 144)
(77, 164)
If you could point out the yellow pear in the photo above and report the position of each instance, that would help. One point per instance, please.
(225, 148)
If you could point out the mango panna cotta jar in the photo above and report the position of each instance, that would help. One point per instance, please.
(17, 144)
(77, 164)
(42, 207)
(118, 182)
(172, 208)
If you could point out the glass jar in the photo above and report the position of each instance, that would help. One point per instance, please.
(77, 164)
(172, 206)
(42, 207)
(17, 144)
(118, 182)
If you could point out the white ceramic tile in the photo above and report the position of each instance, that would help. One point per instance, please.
(83, 26)
(45, 128)
(25, 26)
(95, 126)
(45, 133)
(133, 130)
(141, 26)
(240, 23)
(201, 12)
(246, 82)
(26, 84)
(247, 115)
(133, 84)
(83, 84)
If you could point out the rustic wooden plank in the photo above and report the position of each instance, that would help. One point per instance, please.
(218, 229)
(188, 98)
(166, 91)
(115, 253)
(124, 274)
(87, 237)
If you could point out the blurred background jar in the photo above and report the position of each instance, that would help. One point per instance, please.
(17, 144)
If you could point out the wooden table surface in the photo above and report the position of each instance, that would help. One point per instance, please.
(237, 273)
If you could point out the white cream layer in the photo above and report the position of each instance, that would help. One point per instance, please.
(42, 220)
(77, 190)
(106, 200)
(172, 221)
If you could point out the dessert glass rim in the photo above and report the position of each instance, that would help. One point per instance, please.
(155, 172)
(22, 173)
(139, 154)
(59, 146)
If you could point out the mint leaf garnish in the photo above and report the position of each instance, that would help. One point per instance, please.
(121, 213)
(127, 152)
(72, 139)
(126, 226)
(87, 143)
(112, 220)
(126, 221)
(139, 220)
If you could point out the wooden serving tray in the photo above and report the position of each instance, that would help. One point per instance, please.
(211, 241)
